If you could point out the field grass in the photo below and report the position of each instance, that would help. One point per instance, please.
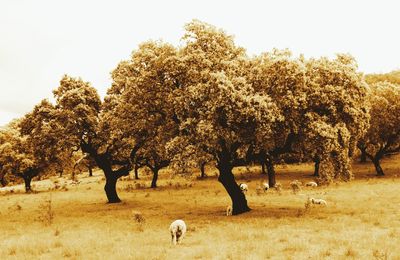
(361, 220)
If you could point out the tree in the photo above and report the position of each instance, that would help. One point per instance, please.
(219, 112)
(383, 136)
(17, 157)
(337, 114)
(323, 102)
(391, 77)
(83, 127)
(84, 160)
(145, 111)
(282, 77)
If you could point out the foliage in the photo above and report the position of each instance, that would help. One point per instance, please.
(204, 101)
(383, 136)
(392, 77)
(85, 127)
(144, 110)
(16, 156)
(216, 106)
(337, 115)
(323, 102)
(42, 131)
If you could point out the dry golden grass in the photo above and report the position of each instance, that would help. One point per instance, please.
(361, 220)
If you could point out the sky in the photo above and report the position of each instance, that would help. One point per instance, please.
(42, 40)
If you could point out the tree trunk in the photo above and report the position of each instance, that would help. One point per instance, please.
(263, 168)
(3, 182)
(111, 188)
(90, 170)
(226, 178)
(363, 157)
(27, 180)
(202, 169)
(317, 162)
(271, 172)
(103, 161)
(378, 168)
(155, 177)
(136, 172)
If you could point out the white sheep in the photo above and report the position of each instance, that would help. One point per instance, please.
(178, 230)
(317, 201)
(265, 186)
(312, 184)
(229, 210)
(243, 187)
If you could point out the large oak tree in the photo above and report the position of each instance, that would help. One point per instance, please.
(218, 110)
(144, 111)
(383, 136)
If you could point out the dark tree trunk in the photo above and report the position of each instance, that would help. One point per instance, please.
(3, 182)
(136, 172)
(155, 177)
(363, 157)
(60, 173)
(226, 178)
(271, 172)
(317, 162)
(90, 170)
(103, 161)
(27, 180)
(378, 168)
(111, 188)
(263, 168)
(202, 169)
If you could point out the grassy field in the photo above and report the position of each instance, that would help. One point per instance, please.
(361, 220)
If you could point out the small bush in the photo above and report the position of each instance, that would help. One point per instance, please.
(278, 188)
(12, 251)
(138, 217)
(139, 220)
(16, 206)
(350, 252)
(129, 188)
(46, 213)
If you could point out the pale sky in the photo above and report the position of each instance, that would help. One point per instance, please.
(41, 40)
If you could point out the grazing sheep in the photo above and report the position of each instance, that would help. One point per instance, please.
(243, 187)
(265, 186)
(178, 230)
(229, 210)
(317, 201)
(311, 184)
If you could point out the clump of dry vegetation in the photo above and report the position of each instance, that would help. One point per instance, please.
(139, 220)
(46, 212)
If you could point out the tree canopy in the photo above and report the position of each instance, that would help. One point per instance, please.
(206, 100)
(383, 136)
